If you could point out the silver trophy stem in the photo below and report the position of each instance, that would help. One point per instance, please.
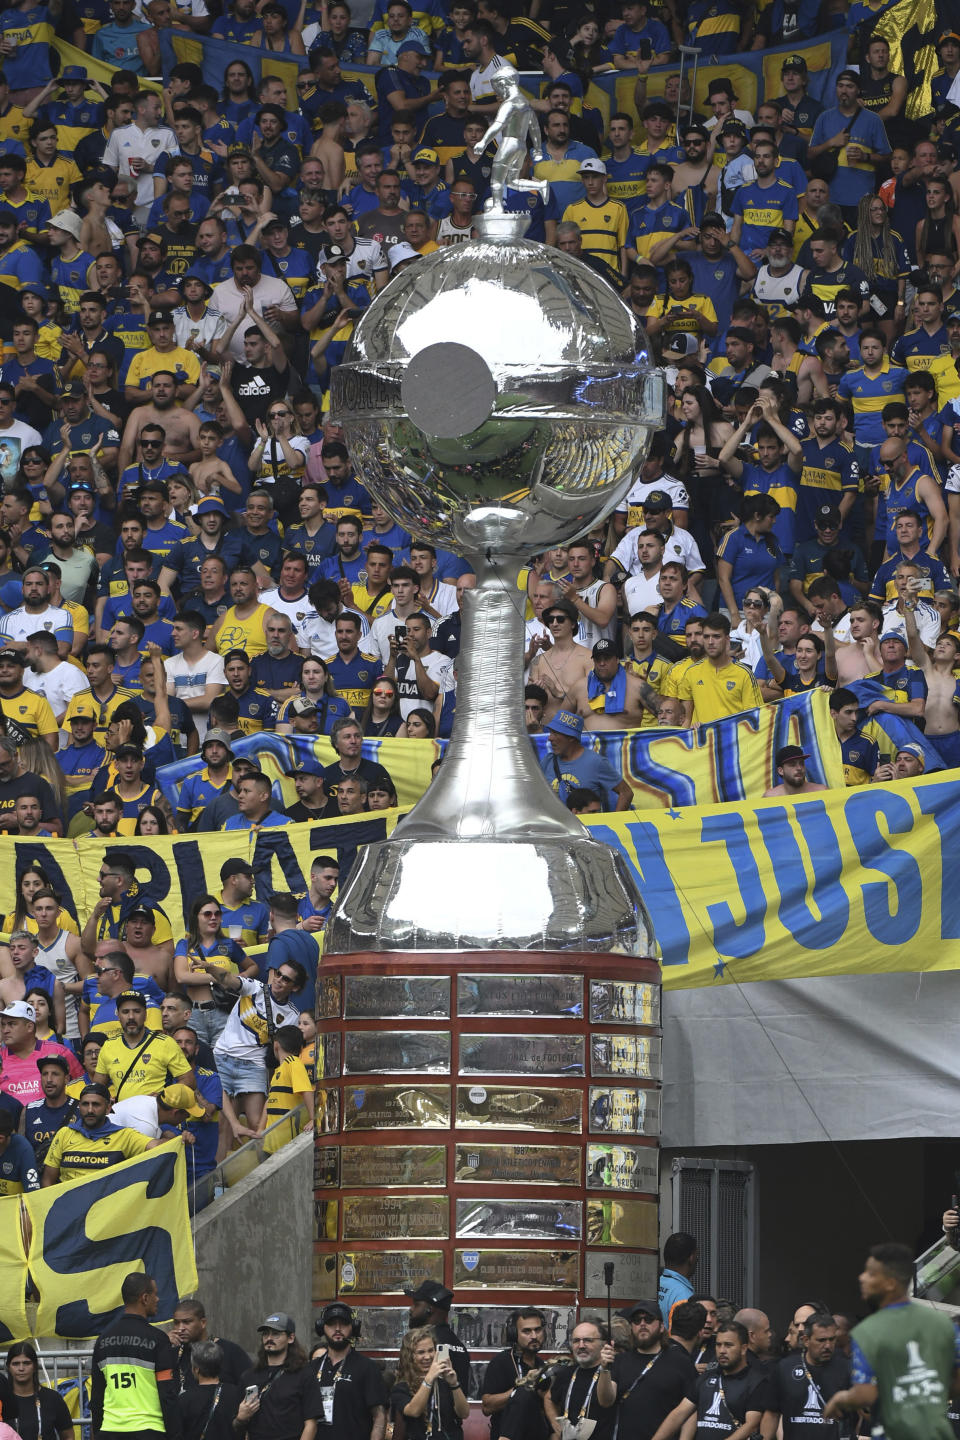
(490, 785)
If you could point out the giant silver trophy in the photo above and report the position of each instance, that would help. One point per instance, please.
(497, 399)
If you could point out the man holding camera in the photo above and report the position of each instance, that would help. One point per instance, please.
(421, 673)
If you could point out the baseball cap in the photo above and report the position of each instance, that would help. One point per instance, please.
(67, 220)
(216, 736)
(828, 517)
(566, 723)
(332, 253)
(681, 343)
(657, 500)
(894, 635)
(413, 47)
(790, 752)
(127, 995)
(952, 315)
(59, 1060)
(432, 1292)
(644, 1307)
(733, 127)
(74, 389)
(425, 156)
(211, 505)
(192, 275)
(565, 608)
(793, 62)
(782, 235)
(275, 224)
(400, 252)
(948, 35)
(238, 149)
(142, 908)
(159, 317)
(73, 72)
(181, 1097)
(235, 867)
(913, 749)
(303, 705)
(592, 166)
(82, 710)
(279, 1321)
(604, 650)
(158, 487)
(94, 1087)
(336, 1310)
(20, 1010)
(123, 750)
(13, 655)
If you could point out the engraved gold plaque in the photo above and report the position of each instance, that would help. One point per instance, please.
(324, 1286)
(544, 996)
(326, 1167)
(386, 1272)
(328, 997)
(396, 1217)
(622, 1167)
(397, 997)
(520, 1108)
(386, 1052)
(624, 1002)
(523, 1164)
(386, 1166)
(624, 1111)
(637, 1056)
(493, 1269)
(521, 1055)
(328, 1056)
(614, 1221)
(396, 1107)
(325, 1217)
(520, 1219)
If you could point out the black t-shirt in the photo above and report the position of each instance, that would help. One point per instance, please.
(649, 1387)
(367, 770)
(440, 1417)
(574, 1393)
(799, 1393)
(459, 1354)
(502, 1374)
(54, 1417)
(27, 784)
(724, 1401)
(256, 387)
(287, 1399)
(235, 1361)
(358, 1389)
(200, 1417)
(302, 812)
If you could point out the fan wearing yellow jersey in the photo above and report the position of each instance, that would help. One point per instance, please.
(717, 685)
(603, 223)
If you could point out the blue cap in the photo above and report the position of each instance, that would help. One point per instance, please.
(72, 72)
(566, 723)
(193, 275)
(894, 635)
(413, 47)
(211, 505)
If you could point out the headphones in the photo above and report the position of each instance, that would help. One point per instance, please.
(324, 1318)
(510, 1330)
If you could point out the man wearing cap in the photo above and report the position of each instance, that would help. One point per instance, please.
(798, 111)
(425, 190)
(856, 136)
(152, 1115)
(568, 765)
(244, 919)
(648, 1381)
(20, 1050)
(72, 268)
(19, 1171)
(287, 1402)
(134, 793)
(183, 562)
(610, 698)
(165, 356)
(79, 431)
(91, 1143)
(903, 686)
(140, 1061)
(563, 662)
(27, 715)
(791, 768)
(944, 86)
(44, 1117)
(603, 223)
(807, 562)
(430, 1305)
(402, 89)
(203, 786)
(258, 710)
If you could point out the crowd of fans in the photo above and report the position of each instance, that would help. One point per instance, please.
(682, 1363)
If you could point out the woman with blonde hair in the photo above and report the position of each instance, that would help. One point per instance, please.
(427, 1400)
(880, 253)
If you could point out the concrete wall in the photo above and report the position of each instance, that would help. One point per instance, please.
(255, 1247)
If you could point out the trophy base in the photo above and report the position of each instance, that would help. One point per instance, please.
(550, 893)
(501, 225)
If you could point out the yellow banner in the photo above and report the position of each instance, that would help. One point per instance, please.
(86, 1236)
(13, 1273)
(857, 881)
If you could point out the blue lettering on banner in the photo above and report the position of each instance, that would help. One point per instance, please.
(33, 854)
(733, 937)
(821, 851)
(940, 803)
(892, 914)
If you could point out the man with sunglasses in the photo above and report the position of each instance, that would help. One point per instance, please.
(241, 1049)
(565, 665)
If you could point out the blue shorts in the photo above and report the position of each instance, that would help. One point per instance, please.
(242, 1077)
(948, 748)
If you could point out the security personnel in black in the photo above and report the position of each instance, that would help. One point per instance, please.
(805, 1380)
(353, 1395)
(285, 1381)
(644, 1385)
(430, 1305)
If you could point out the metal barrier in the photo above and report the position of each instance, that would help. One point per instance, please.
(240, 1163)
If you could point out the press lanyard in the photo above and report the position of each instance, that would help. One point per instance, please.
(589, 1395)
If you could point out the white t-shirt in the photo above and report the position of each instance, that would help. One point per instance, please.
(138, 1113)
(132, 142)
(18, 624)
(680, 546)
(58, 685)
(205, 330)
(244, 1037)
(481, 86)
(300, 613)
(272, 451)
(639, 593)
(320, 636)
(636, 496)
(439, 668)
(378, 641)
(228, 301)
(926, 615)
(187, 679)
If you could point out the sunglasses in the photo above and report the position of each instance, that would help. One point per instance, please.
(558, 620)
(151, 444)
(280, 414)
(754, 604)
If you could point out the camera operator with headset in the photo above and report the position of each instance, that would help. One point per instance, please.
(353, 1394)
(514, 1381)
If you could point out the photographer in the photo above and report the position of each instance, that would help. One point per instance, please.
(572, 1398)
(421, 673)
(510, 1394)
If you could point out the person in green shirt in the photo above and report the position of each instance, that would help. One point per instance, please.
(904, 1356)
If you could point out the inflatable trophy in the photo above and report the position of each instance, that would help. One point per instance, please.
(489, 1052)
